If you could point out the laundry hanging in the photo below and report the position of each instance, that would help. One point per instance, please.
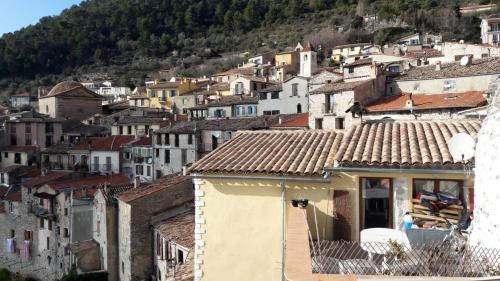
(25, 251)
(9, 245)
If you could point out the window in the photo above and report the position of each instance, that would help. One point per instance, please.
(58, 230)
(351, 69)
(42, 223)
(96, 163)
(451, 188)
(318, 123)
(65, 211)
(157, 153)
(48, 245)
(158, 139)
(173, 93)
(27, 128)
(129, 130)
(49, 127)
(250, 110)
(148, 171)
(49, 223)
(176, 141)
(127, 155)
(27, 139)
(108, 163)
(167, 139)
(450, 85)
(123, 267)
(299, 108)
(190, 139)
(47, 109)
(167, 156)
(263, 96)
(184, 156)
(17, 158)
(120, 129)
(28, 235)
(180, 256)
(340, 123)
(153, 94)
(305, 57)
(275, 95)
(6, 155)
(295, 89)
(139, 170)
(12, 233)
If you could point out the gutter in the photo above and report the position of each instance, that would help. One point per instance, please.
(397, 171)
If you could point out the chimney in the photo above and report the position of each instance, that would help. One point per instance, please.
(438, 65)
(137, 182)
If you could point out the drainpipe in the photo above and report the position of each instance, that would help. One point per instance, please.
(283, 234)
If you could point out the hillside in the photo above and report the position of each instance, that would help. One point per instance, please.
(129, 39)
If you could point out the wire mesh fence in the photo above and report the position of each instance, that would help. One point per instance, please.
(431, 259)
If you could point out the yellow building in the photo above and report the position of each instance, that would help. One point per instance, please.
(364, 178)
(161, 94)
(341, 52)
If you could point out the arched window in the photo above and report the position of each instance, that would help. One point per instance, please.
(305, 57)
(47, 109)
(299, 108)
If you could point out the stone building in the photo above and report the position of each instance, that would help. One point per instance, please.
(33, 129)
(137, 160)
(70, 99)
(174, 247)
(18, 155)
(136, 209)
(105, 226)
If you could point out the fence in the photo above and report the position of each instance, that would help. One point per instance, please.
(431, 259)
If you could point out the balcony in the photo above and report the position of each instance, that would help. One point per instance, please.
(44, 213)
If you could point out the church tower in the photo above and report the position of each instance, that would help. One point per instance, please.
(308, 61)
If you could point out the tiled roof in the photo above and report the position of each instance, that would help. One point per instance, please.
(410, 143)
(300, 120)
(17, 148)
(72, 88)
(423, 102)
(38, 181)
(339, 87)
(482, 66)
(352, 45)
(273, 88)
(228, 101)
(417, 144)
(104, 144)
(272, 152)
(221, 86)
(165, 85)
(111, 192)
(92, 181)
(308, 47)
(159, 185)
(14, 196)
(11, 168)
(179, 229)
(234, 124)
(142, 141)
(131, 120)
(424, 53)
(362, 61)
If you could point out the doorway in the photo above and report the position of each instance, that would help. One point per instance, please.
(375, 203)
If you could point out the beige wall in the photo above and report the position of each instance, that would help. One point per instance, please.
(67, 107)
(435, 86)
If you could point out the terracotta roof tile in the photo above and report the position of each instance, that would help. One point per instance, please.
(142, 141)
(38, 181)
(379, 143)
(424, 101)
(165, 85)
(104, 144)
(159, 185)
(483, 66)
(15, 196)
(363, 61)
(339, 86)
(17, 148)
(179, 229)
(273, 152)
(300, 120)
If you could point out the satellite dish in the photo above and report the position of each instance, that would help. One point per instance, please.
(462, 147)
(464, 61)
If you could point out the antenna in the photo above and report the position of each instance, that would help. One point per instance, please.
(462, 147)
(464, 61)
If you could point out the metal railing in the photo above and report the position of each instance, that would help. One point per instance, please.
(430, 259)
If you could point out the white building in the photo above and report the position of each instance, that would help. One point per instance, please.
(287, 98)
(308, 61)
(490, 29)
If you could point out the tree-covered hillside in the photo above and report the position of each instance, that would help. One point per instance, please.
(101, 33)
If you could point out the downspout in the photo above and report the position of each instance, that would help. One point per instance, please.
(283, 234)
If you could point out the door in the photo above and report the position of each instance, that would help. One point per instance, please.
(375, 203)
(342, 217)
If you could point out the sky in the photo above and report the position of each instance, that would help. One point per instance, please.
(15, 14)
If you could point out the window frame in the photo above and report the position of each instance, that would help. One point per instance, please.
(436, 190)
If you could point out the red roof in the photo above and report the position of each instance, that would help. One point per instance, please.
(423, 101)
(14, 196)
(90, 182)
(104, 144)
(38, 181)
(16, 148)
(3, 190)
(158, 185)
(143, 141)
(298, 120)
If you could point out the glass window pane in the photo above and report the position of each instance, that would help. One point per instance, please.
(423, 186)
(450, 188)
